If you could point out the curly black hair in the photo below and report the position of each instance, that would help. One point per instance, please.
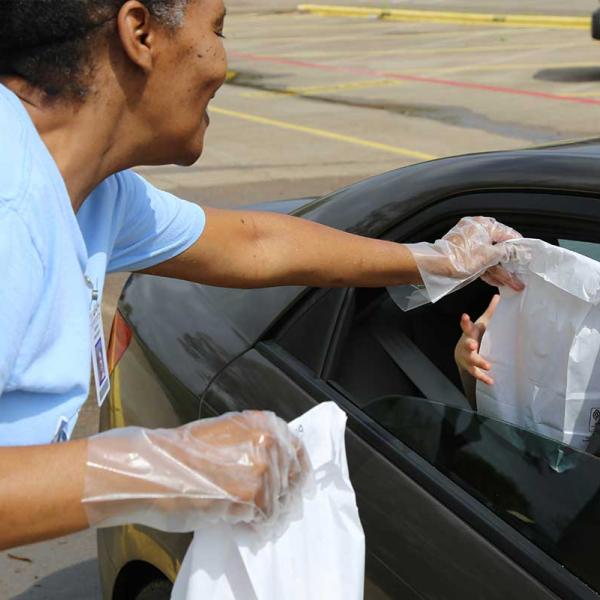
(49, 42)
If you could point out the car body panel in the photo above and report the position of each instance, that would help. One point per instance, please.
(153, 407)
(399, 194)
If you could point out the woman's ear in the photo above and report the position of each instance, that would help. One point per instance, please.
(136, 31)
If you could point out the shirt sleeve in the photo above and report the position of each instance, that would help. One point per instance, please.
(154, 226)
(22, 276)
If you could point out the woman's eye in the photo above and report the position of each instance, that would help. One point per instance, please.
(220, 34)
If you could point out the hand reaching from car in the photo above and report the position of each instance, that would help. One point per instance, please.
(466, 353)
(237, 468)
(473, 247)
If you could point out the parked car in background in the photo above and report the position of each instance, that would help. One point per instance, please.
(454, 505)
(596, 24)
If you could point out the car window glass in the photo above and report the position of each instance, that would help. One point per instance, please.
(549, 492)
(589, 249)
(306, 331)
(363, 366)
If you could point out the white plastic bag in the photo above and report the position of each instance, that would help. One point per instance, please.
(544, 344)
(318, 552)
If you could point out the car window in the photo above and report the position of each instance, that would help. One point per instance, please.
(398, 368)
(306, 331)
(393, 366)
(589, 249)
(365, 364)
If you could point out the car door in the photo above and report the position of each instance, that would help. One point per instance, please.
(453, 505)
(542, 490)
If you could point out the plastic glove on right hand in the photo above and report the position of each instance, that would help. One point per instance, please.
(471, 248)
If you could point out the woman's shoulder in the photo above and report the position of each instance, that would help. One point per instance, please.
(15, 149)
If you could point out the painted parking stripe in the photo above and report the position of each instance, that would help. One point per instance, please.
(365, 71)
(466, 18)
(323, 133)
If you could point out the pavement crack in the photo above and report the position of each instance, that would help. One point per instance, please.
(19, 558)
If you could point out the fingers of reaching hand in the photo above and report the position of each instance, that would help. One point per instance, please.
(480, 375)
(491, 309)
(473, 332)
(474, 363)
(466, 324)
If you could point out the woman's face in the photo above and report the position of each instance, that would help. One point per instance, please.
(190, 66)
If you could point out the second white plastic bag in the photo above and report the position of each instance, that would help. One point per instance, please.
(317, 552)
(544, 344)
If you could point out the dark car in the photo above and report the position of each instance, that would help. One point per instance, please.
(596, 24)
(454, 505)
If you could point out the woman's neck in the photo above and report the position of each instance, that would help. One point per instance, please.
(81, 136)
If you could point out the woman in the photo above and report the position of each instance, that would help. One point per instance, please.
(90, 89)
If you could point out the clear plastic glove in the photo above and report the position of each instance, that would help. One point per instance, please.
(472, 248)
(238, 468)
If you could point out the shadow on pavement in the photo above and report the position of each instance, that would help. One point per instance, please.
(77, 582)
(569, 74)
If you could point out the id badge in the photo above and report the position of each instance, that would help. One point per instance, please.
(99, 361)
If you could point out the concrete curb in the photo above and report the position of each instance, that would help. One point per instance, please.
(462, 18)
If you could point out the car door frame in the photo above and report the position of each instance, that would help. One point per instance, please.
(522, 205)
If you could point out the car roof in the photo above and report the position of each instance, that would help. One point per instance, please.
(371, 206)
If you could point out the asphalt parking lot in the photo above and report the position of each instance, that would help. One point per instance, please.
(314, 99)
(315, 103)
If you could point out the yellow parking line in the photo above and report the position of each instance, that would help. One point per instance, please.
(323, 133)
(463, 18)
(588, 94)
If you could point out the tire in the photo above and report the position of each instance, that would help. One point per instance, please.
(157, 589)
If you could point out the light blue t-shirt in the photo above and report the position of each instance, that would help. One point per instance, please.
(46, 254)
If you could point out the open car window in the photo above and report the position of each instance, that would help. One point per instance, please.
(398, 368)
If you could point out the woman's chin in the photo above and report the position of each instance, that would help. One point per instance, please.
(192, 153)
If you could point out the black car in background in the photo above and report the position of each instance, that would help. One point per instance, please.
(596, 24)
(453, 505)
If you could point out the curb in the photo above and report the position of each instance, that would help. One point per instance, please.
(462, 18)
